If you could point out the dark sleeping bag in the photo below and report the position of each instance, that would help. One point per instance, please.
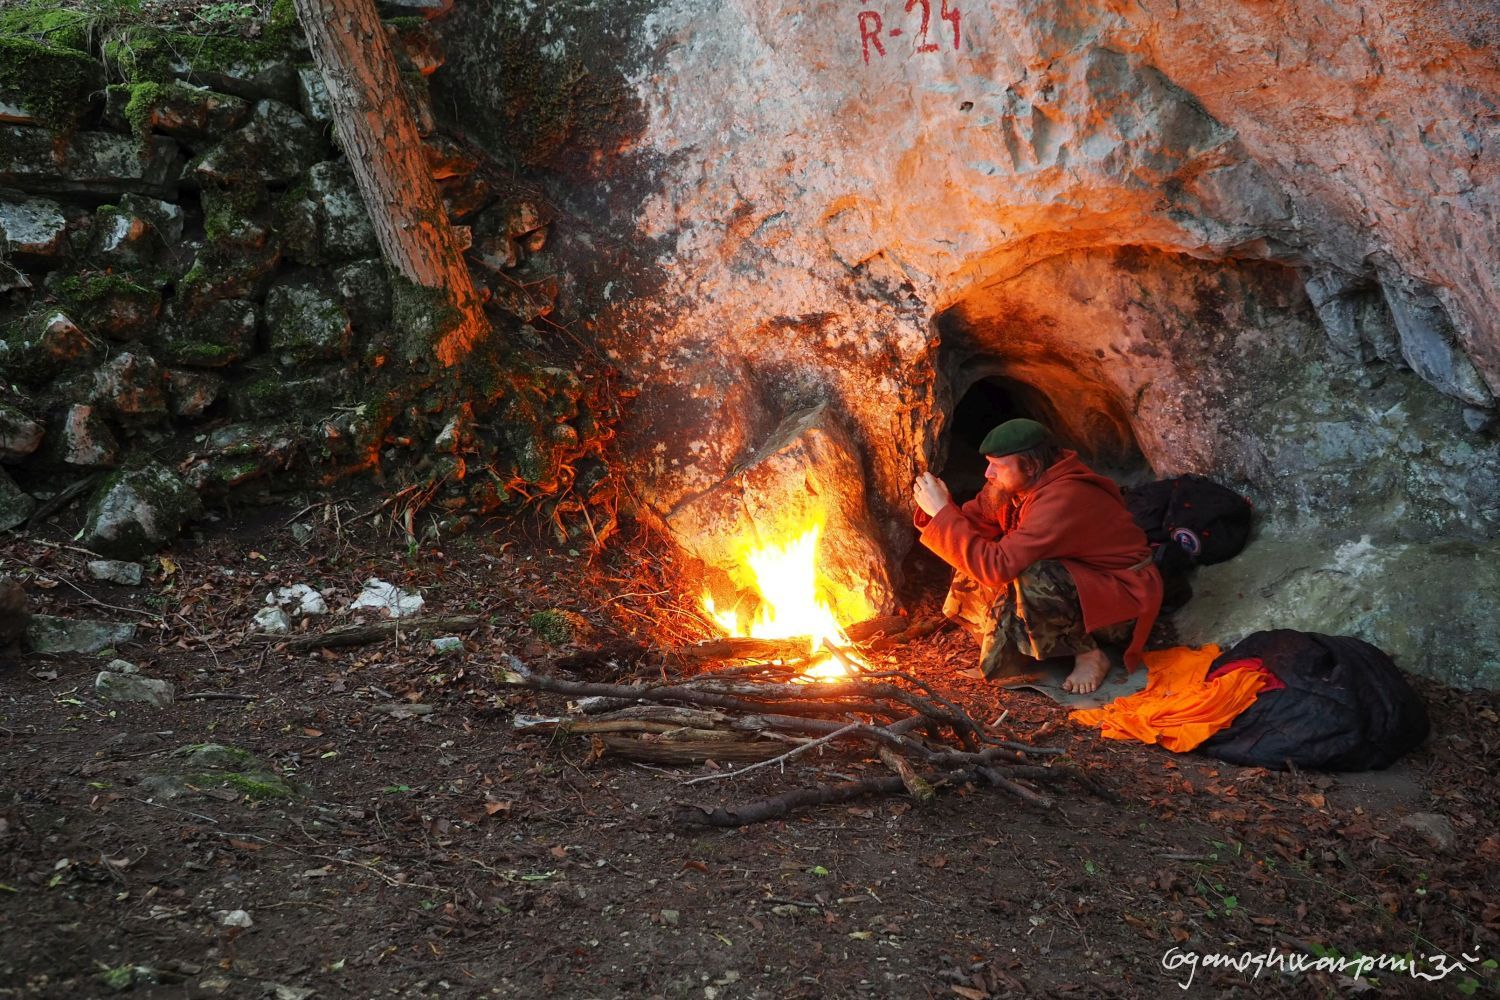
(1345, 706)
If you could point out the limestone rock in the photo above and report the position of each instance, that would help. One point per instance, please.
(16, 505)
(365, 292)
(126, 574)
(1428, 344)
(275, 395)
(122, 307)
(806, 474)
(134, 688)
(48, 634)
(889, 221)
(132, 387)
(251, 79)
(240, 453)
(237, 268)
(135, 232)
(221, 333)
(41, 345)
(1430, 607)
(344, 225)
(177, 109)
(190, 393)
(92, 164)
(276, 146)
(83, 439)
(1434, 828)
(272, 620)
(299, 599)
(33, 227)
(312, 96)
(19, 434)
(391, 601)
(136, 511)
(306, 322)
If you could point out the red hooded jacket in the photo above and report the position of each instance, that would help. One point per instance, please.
(1075, 516)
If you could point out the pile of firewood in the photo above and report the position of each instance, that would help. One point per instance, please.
(769, 711)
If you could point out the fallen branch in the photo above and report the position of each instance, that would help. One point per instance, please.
(916, 786)
(660, 750)
(365, 633)
(786, 803)
(782, 759)
(737, 648)
(790, 698)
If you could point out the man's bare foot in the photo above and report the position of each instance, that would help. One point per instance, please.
(1089, 671)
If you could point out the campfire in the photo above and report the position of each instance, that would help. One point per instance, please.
(786, 679)
(786, 579)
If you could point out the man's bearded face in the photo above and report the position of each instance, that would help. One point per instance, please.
(1003, 478)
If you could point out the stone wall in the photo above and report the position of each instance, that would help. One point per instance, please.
(1258, 241)
(192, 301)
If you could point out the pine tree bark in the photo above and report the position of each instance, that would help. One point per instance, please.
(375, 125)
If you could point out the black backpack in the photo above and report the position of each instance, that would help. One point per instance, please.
(1345, 707)
(1190, 520)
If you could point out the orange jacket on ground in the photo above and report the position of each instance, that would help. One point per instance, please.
(1180, 707)
(1073, 515)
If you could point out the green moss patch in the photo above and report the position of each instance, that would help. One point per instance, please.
(53, 84)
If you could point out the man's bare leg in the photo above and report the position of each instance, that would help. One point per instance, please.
(1089, 671)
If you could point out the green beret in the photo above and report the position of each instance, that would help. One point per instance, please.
(1013, 436)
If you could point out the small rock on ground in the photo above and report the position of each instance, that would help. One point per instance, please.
(127, 574)
(133, 687)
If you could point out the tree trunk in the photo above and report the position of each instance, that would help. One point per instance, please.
(379, 136)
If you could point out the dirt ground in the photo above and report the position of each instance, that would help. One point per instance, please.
(401, 839)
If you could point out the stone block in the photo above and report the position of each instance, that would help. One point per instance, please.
(251, 79)
(16, 505)
(176, 109)
(126, 574)
(221, 333)
(306, 322)
(19, 434)
(84, 439)
(131, 385)
(806, 474)
(41, 345)
(344, 228)
(365, 291)
(275, 147)
(122, 307)
(122, 687)
(136, 511)
(312, 96)
(190, 393)
(33, 227)
(135, 232)
(91, 164)
(47, 634)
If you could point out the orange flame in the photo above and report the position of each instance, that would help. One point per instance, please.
(786, 575)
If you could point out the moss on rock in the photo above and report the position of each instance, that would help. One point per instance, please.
(52, 84)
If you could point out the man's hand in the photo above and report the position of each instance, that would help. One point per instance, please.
(931, 494)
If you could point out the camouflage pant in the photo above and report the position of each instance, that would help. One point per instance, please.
(1037, 616)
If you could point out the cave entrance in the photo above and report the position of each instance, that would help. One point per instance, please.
(994, 367)
(1083, 420)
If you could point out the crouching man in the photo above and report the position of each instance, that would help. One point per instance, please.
(1048, 561)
